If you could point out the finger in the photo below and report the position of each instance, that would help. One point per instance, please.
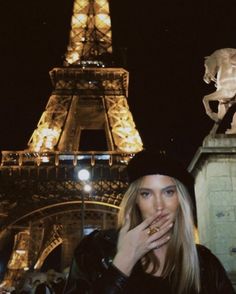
(161, 223)
(159, 243)
(126, 225)
(161, 218)
(160, 233)
(148, 221)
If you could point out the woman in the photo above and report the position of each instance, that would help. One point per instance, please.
(154, 250)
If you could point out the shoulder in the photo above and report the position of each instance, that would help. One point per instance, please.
(97, 246)
(98, 238)
(203, 250)
(209, 262)
(109, 236)
(93, 255)
(213, 273)
(206, 256)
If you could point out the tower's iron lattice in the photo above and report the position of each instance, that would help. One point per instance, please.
(86, 124)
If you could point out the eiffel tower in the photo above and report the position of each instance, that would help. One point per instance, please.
(86, 127)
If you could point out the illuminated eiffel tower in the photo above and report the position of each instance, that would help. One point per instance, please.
(87, 126)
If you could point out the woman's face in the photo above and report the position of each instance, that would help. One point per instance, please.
(158, 192)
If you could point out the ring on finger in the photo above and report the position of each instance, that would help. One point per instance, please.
(153, 230)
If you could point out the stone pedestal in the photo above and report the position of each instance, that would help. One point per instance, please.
(214, 169)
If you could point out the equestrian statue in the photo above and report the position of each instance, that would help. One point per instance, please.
(220, 68)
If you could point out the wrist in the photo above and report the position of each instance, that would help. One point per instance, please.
(123, 264)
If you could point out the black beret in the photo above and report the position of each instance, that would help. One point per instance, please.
(153, 162)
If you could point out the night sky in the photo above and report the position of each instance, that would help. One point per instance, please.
(165, 43)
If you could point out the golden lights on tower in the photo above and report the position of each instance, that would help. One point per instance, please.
(90, 34)
(44, 138)
(19, 257)
(90, 38)
(125, 134)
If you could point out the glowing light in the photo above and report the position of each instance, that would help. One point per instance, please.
(20, 251)
(103, 20)
(44, 138)
(81, 18)
(72, 57)
(87, 188)
(89, 16)
(45, 159)
(83, 175)
(126, 136)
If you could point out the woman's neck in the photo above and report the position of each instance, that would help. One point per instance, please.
(160, 253)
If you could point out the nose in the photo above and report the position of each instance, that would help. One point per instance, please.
(159, 203)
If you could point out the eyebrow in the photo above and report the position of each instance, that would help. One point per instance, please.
(169, 187)
(163, 189)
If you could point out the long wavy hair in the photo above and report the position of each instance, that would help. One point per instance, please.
(181, 263)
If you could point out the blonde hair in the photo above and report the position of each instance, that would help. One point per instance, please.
(181, 264)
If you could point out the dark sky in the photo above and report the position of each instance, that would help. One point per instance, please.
(165, 41)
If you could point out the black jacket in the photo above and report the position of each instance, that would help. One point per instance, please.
(92, 271)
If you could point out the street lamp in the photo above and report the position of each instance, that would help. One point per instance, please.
(84, 175)
(87, 188)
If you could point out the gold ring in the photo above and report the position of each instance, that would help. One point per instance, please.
(152, 231)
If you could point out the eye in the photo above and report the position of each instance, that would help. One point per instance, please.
(169, 192)
(144, 194)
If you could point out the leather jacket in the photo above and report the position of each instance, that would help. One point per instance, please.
(92, 271)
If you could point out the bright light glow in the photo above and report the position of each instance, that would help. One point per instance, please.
(45, 159)
(83, 174)
(103, 20)
(73, 57)
(101, 2)
(87, 188)
(79, 18)
(20, 251)
(44, 137)
(89, 17)
(125, 135)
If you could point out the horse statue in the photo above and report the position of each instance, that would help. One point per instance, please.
(220, 67)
